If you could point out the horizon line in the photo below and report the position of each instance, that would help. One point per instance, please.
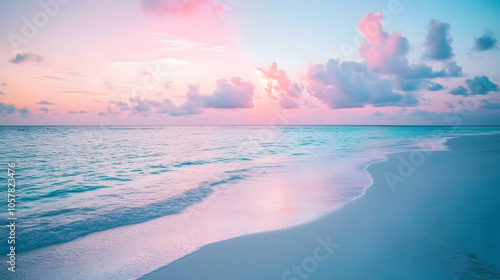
(250, 125)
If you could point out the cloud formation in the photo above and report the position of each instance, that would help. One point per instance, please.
(379, 49)
(485, 42)
(460, 90)
(228, 94)
(432, 86)
(387, 53)
(480, 85)
(416, 84)
(232, 94)
(438, 41)
(22, 57)
(120, 105)
(386, 78)
(44, 102)
(351, 84)
(25, 113)
(7, 109)
(288, 93)
(145, 107)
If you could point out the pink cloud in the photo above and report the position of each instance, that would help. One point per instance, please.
(289, 93)
(386, 53)
(379, 48)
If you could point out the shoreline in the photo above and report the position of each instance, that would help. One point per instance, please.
(215, 260)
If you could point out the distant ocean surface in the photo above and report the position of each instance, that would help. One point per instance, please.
(201, 183)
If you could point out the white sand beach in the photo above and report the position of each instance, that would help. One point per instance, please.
(439, 221)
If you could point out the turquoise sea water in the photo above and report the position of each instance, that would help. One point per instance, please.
(75, 184)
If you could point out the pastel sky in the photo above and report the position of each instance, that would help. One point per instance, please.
(249, 62)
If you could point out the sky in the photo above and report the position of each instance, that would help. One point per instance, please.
(249, 62)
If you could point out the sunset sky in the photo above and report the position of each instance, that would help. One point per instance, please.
(204, 62)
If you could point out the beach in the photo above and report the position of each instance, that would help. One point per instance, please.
(235, 140)
(427, 215)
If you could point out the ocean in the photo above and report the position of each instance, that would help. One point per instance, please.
(118, 202)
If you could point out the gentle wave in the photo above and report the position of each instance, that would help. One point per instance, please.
(32, 239)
